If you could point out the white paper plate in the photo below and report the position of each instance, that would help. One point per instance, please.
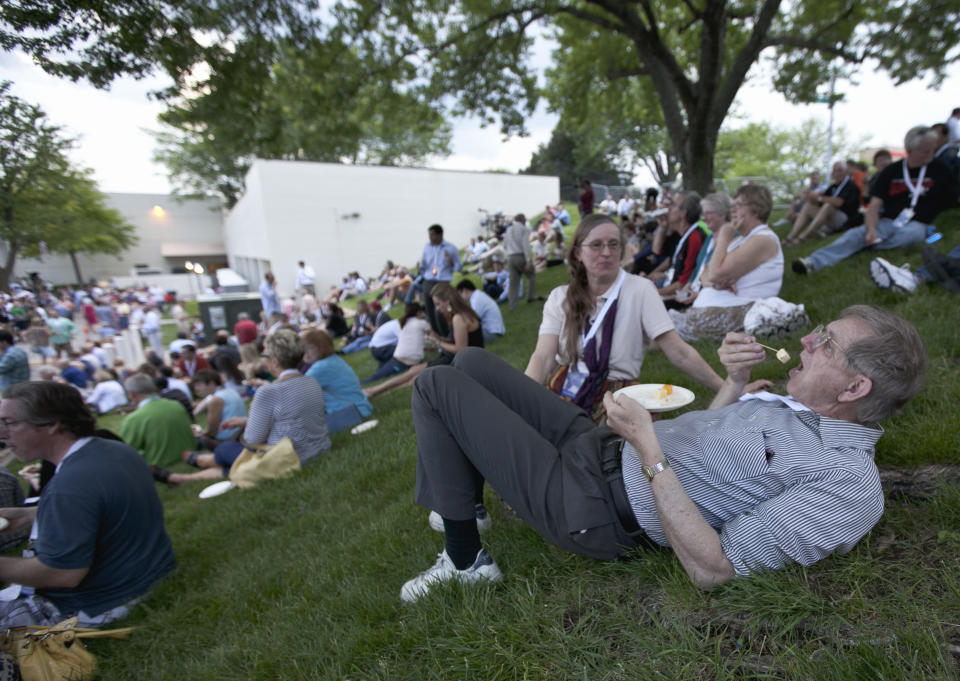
(364, 427)
(4, 524)
(216, 489)
(646, 394)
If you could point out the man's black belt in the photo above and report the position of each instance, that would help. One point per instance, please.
(611, 464)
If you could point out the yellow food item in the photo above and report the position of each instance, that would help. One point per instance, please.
(783, 355)
(664, 392)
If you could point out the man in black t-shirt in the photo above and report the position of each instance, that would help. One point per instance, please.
(99, 543)
(909, 195)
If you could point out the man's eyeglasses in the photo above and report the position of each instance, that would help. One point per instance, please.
(823, 336)
(597, 246)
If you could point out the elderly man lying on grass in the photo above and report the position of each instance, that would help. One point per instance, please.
(754, 483)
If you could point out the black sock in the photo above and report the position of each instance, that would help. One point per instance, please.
(478, 490)
(463, 541)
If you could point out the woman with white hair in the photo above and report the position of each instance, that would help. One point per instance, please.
(108, 394)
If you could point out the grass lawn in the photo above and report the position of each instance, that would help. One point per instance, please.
(300, 579)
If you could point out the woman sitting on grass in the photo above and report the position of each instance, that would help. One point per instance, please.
(409, 350)
(220, 404)
(466, 331)
(292, 406)
(746, 265)
(346, 405)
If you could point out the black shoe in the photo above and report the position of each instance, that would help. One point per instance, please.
(941, 269)
(800, 266)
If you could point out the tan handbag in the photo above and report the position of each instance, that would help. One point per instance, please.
(264, 462)
(55, 653)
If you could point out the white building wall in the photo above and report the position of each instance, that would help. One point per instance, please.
(182, 221)
(340, 218)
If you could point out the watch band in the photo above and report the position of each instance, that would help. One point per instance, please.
(651, 471)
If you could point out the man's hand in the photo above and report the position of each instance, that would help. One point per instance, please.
(871, 237)
(629, 419)
(739, 353)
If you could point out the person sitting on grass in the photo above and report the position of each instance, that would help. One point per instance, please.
(158, 428)
(466, 331)
(220, 404)
(100, 544)
(408, 350)
(107, 394)
(904, 199)
(344, 401)
(292, 406)
(756, 482)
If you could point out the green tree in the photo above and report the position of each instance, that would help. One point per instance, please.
(784, 157)
(564, 156)
(45, 203)
(695, 54)
(316, 101)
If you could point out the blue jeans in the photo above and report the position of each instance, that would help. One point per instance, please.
(852, 241)
(357, 344)
(926, 276)
(393, 366)
(343, 419)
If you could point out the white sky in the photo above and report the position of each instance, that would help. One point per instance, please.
(111, 125)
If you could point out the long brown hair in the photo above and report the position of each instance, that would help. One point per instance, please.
(445, 292)
(578, 302)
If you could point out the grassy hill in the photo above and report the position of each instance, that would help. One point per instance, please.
(300, 579)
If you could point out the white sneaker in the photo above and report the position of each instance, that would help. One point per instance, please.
(484, 521)
(482, 570)
(887, 276)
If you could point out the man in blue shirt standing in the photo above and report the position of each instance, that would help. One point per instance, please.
(268, 296)
(14, 366)
(439, 260)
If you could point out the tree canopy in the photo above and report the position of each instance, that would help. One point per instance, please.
(313, 100)
(665, 73)
(46, 204)
(687, 59)
(566, 157)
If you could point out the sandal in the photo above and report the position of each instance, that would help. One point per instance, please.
(161, 474)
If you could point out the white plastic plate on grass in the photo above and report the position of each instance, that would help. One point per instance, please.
(364, 427)
(216, 489)
(646, 394)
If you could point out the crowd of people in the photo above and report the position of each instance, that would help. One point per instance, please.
(756, 482)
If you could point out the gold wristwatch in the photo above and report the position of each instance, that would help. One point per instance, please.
(651, 471)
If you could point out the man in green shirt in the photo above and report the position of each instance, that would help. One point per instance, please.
(63, 329)
(159, 429)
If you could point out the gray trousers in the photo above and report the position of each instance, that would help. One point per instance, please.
(516, 264)
(540, 453)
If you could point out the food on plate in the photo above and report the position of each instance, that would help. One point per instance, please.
(664, 393)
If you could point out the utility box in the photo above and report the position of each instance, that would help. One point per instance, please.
(220, 311)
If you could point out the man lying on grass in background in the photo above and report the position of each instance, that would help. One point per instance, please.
(98, 543)
(754, 483)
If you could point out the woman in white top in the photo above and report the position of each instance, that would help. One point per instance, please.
(409, 350)
(746, 265)
(108, 393)
(578, 317)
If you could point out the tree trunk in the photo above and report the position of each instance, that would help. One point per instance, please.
(7, 270)
(76, 268)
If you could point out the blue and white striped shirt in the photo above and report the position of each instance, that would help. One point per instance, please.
(780, 486)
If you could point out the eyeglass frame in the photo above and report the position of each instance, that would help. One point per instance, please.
(823, 336)
(614, 246)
